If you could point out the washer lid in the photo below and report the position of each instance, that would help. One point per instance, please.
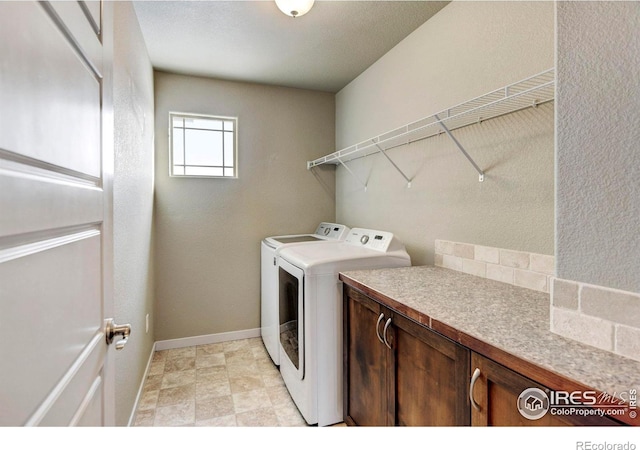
(325, 231)
(335, 257)
(299, 238)
(352, 253)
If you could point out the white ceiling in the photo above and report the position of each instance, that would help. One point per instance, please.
(253, 41)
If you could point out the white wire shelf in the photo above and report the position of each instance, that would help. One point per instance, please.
(526, 93)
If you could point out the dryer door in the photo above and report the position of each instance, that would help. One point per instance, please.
(291, 315)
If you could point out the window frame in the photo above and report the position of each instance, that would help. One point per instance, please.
(175, 114)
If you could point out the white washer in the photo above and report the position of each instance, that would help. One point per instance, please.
(269, 249)
(310, 296)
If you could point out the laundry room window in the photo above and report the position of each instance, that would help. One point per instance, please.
(203, 146)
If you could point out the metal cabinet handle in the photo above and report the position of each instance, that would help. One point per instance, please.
(474, 378)
(384, 333)
(111, 330)
(378, 327)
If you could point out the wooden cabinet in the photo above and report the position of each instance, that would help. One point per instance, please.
(397, 372)
(365, 365)
(495, 392)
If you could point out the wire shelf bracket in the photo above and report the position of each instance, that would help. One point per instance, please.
(530, 92)
(343, 164)
(461, 148)
(407, 179)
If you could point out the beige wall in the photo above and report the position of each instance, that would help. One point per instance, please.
(208, 231)
(132, 203)
(466, 50)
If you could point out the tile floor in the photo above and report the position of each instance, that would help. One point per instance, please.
(231, 383)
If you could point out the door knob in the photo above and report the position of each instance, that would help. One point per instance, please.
(112, 330)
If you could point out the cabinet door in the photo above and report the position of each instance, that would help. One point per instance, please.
(496, 393)
(365, 362)
(430, 377)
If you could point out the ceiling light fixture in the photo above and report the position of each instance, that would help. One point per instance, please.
(295, 8)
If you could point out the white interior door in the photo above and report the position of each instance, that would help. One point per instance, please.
(56, 159)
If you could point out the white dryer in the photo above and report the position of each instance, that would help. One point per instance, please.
(310, 316)
(269, 249)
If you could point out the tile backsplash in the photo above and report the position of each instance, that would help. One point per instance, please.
(598, 316)
(524, 269)
(602, 317)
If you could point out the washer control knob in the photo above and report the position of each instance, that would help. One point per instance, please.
(326, 231)
(364, 239)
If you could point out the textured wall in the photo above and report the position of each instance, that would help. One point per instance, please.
(133, 203)
(596, 298)
(208, 231)
(598, 143)
(434, 68)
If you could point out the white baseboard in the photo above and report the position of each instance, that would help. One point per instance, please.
(189, 342)
(144, 378)
(207, 339)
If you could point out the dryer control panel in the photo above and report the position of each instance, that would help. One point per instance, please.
(332, 230)
(371, 239)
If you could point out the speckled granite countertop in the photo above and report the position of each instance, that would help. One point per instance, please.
(500, 321)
